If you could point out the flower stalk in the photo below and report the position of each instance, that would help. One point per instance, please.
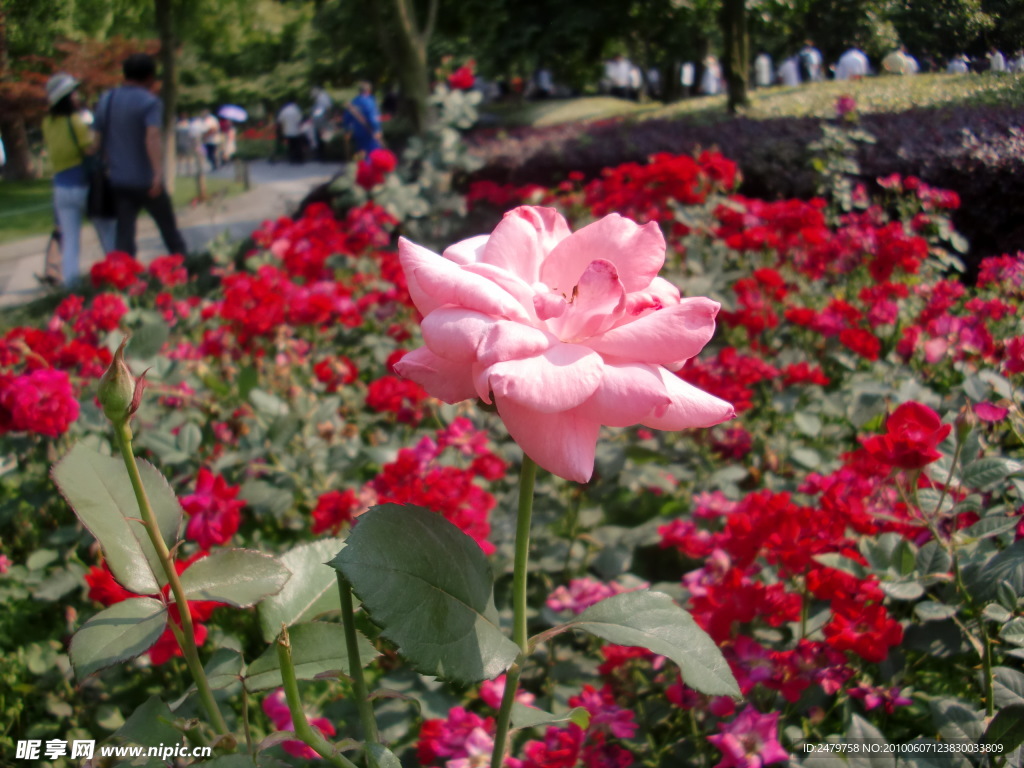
(355, 665)
(186, 635)
(309, 735)
(119, 395)
(519, 605)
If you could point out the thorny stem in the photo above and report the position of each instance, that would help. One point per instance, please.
(186, 634)
(984, 647)
(986, 663)
(519, 628)
(355, 666)
(303, 730)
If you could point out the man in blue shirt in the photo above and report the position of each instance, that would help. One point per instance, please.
(129, 120)
(361, 120)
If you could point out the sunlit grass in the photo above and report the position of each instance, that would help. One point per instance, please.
(874, 94)
(26, 207)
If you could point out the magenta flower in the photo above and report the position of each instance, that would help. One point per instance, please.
(880, 696)
(213, 510)
(750, 741)
(562, 331)
(276, 709)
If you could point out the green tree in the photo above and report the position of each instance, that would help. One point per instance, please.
(27, 33)
(940, 29)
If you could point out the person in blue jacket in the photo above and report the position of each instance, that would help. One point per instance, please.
(362, 120)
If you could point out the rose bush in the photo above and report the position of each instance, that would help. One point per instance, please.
(850, 540)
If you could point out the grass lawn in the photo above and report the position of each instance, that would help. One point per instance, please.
(873, 94)
(26, 207)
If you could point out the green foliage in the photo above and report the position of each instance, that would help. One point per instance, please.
(318, 648)
(119, 633)
(1007, 728)
(98, 489)
(310, 592)
(423, 192)
(429, 587)
(532, 717)
(239, 577)
(653, 621)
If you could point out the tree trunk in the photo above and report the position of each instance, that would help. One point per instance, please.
(737, 52)
(168, 88)
(20, 165)
(13, 133)
(413, 72)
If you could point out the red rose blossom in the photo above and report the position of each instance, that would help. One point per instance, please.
(912, 433)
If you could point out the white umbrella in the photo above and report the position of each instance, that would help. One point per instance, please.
(234, 113)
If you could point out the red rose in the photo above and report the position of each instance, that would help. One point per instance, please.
(913, 432)
(461, 79)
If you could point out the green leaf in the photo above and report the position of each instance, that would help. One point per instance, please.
(1013, 632)
(933, 559)
(1006, 566)
(119, 633)
(806, 457)
(653, 621)
(230, 761)
(934, 502)
(861, 731)
(902, 589)
(807, 423)
(988, 527)
(264, 497)
(317, 647)
(224, 668)
(972, 503)
(379, 756)
(430, 589)
(247, 380)
(1008, 685)
(986, 472)
(1006, 596)
(1007, 728)
(531, 717)
(268, 404)
(148, 339)
(98, 489)
(190, 437)
(149, 725)
(930, 610)
(929, 756)
(164, 444)
(997, 613)
(956, 721)
(840, 563)
(239, 577)
(312, 590)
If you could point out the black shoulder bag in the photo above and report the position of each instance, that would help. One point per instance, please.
(100, 203)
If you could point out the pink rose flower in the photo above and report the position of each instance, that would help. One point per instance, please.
(562, 331)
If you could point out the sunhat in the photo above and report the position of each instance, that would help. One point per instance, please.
(59, 86)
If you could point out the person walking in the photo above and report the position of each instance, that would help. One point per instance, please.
(69, 143)
(361, 121)
(852, 65)
(129, 120)
(289, 119)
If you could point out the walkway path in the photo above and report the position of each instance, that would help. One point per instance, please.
(276, 190)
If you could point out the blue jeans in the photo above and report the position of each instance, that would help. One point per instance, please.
(69, 204)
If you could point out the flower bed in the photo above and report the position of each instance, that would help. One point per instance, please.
(975, 151)
(847, 541)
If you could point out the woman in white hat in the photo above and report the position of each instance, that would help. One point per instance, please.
(68, 142)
